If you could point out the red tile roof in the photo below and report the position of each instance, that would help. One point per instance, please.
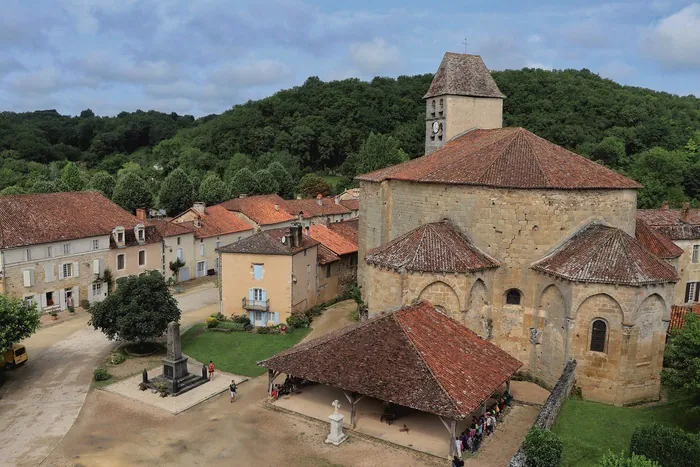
(463, 75)
(326, 256)
(351, 204)
(215, 221)
(505, 158)
(416, 357)
(335, 242)
(436, 247)
(678, 316)
(310, 207)
(348, 228)
(54, 217)
(268, 242)
(262, 209)
(671, 222)
(606, 255)
(168, 228)
(656, 242)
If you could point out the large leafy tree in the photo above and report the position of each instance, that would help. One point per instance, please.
(312, 185)
(132, 192)
(103, 182)
(244, 182)
(283, 178)
(176, 192)
(44, 186)
(379, 151)
(682, 357)
(72, 177)
(18, 320)
(237, 162)
(266, 182)
(139, 310)
(212, 190)
(13, 190)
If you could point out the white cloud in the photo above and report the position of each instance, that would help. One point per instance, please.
(617, 70)
(120, 68)
(589, 35)
(257, 73)
(375, 56)
(675, 40)
(45, 79)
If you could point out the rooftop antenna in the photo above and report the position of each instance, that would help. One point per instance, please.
(465, 44)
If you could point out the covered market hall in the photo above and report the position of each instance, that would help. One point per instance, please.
(411, 359)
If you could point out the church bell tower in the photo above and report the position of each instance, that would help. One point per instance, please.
(462, 97)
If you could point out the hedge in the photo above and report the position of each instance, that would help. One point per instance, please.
(669, 446)
(621, 460)
(542, 448)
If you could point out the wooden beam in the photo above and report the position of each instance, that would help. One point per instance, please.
(508, 386)
(353, 398)
(271, 375)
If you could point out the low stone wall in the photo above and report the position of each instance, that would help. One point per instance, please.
(550, 409)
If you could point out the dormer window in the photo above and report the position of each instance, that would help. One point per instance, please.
(140, 233)
(118, 235)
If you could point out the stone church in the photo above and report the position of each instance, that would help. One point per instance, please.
(524, 242)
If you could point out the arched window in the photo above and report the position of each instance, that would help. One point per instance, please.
(442, 105)
(598, 334)
(433, 105)
(513, 297)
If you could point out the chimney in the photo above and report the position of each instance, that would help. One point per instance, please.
(299, 232)
(242, 195)
(664, 205)
(199, 206)
(141, 214)
(291, 238)
(327, 221)
(277, 206)
(300, 216)
(319, 199)
(337, 200)
(685, 213)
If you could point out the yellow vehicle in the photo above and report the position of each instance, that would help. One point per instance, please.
(14, 357)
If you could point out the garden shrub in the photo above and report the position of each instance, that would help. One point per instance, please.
(263, 330)
(542, 448)
(275, 330)
(298, 321)
(85, 304)
(621, 460)
(117, 358)
(235, 327)
(669, 446)
(212, 322)
(240, 319)
(101, 374)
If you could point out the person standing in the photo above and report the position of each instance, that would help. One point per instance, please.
(232, 390)
(211, 370)
(458, 446)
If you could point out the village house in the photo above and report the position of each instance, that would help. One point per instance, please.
(320, 210)
(269, 275)
(526, 243)
(212, 227)
(682, 227)
(178, 243)
(337, 260)
(263, 211)
(55, 247)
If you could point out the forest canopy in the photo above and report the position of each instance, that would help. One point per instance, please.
(341, 128)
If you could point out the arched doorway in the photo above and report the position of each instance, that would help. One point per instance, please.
(441, 295)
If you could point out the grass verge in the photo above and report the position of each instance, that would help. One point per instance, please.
(590, 429)
(237, 352)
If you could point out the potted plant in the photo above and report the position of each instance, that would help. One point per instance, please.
(71, 310)
(54, 315)
(283, 329)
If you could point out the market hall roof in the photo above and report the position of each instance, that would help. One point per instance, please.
(463, 75)
(606, 255)
(656, 242)
(435, 247)
(505, 158)
(416, 357)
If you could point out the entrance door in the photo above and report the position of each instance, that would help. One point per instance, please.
(259, 318)
(201, 268)
(184, 274)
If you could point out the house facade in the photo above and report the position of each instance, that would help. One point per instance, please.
(337, 262)
(269, 275)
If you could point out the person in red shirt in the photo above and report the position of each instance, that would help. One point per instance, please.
(211, 370)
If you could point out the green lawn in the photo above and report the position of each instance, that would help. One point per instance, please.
(589, 429)
(332, 180)
(237, 352)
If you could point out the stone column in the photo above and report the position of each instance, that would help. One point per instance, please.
(336, 436)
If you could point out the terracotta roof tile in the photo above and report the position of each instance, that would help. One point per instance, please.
(348, 228)
(171, 229)
(505, 158)
(310, 207)
(670, 222)
(152, 235)
(335, 242)
(268, 242)
(606, 255)
(351, 204)
(215, 221)
(262, 209)
(656, 242)
(54, 217)
(326, 256)
(416, 357)
(463, 75)
(436, 247)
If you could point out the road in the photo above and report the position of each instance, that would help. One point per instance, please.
(41, 400)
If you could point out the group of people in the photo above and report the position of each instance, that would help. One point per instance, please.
(482, 426)
(290, 385)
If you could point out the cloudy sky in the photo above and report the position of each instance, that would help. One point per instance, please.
(204, 56)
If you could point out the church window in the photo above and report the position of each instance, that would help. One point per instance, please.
(442, 106)
(598, 335)
(433, 105)
(513, 297)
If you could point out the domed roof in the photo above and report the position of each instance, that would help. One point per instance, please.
(505, 158)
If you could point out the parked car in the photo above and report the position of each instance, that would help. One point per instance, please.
(14, 357)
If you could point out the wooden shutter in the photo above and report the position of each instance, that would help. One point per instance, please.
(43, 301)
(60, 271)
(687, 293)
(62, 299)
(37, 301)
(76, 296)
(49, 275)
(76, 271)
(28, 277)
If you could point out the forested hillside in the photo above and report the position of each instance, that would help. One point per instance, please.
(269, 144)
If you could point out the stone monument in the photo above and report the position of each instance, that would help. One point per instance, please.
(174, 364)
(336, 435)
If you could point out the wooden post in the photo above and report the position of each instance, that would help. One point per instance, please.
(353, 398)
(508, 386)
(271, 375)
(452, 428)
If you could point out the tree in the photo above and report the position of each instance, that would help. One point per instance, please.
(212, 190)
(267, 183)
(176, 193)
(283, 178)
(18, 320)
(175, 267)
(610, 151)
(542, 448)
(621, 460)
(237, 162)
(139, 310)
(72, 177)
(102, 182)
(379, 151)
(131, 192)
(44, 186)
(13, 190)
(243, 182)
(682, 357)
(312, 185)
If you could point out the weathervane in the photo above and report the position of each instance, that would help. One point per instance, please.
(465, 44)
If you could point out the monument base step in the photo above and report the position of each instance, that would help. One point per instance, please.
(188, 383)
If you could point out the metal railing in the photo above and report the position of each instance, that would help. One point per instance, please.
(259, 305)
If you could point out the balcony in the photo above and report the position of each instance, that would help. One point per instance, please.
(256, 305)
